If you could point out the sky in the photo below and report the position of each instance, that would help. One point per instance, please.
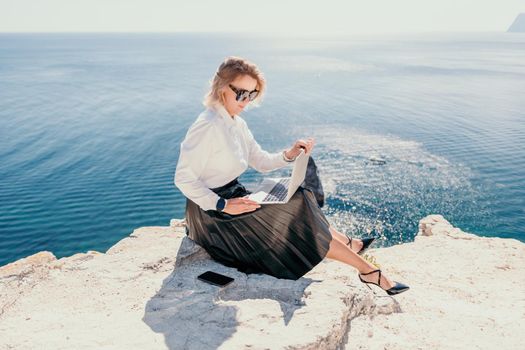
(263, 16)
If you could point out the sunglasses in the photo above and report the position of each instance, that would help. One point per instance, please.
(242, 94)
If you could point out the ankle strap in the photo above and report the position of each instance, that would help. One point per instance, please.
(368, 273)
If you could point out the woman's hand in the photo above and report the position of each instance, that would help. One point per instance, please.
(240, 205)
(307, 144)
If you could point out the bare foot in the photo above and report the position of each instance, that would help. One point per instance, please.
(385, 283)
(354, 244)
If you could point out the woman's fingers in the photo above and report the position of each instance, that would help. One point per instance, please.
(246, 202)
(248, 208)
(312, 144)
(249, 201)
(241, 205)
(301, 142)
(308, 144)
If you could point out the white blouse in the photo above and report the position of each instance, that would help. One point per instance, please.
(217, 149)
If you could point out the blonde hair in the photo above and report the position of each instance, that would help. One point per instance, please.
(231, 68)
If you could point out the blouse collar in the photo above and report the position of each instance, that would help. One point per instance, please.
(225, 115)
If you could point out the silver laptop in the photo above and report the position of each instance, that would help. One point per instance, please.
(279, 190)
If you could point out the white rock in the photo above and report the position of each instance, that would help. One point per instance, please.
(143, 294)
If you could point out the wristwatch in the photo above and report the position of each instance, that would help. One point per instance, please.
(221, 203)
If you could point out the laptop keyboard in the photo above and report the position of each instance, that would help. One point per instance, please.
(279, 191)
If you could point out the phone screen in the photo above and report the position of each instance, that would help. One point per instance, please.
(215, 278)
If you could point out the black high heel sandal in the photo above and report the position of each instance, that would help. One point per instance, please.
(396, 289)
(366, 244)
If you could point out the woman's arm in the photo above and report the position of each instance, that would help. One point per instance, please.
(261, 160)
(195, 151)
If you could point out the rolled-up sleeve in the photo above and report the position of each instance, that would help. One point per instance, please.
(261, 160)
(195, 151)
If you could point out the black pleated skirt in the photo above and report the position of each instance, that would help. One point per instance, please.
(281, 240)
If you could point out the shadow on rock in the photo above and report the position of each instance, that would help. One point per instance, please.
(189, 312)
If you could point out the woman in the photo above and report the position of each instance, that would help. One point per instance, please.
(282, 240)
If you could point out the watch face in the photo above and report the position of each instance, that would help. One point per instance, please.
(220, 204)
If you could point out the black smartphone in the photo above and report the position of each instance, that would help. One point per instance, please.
(215, 278)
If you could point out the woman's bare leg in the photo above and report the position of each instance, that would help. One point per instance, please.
(356, 244)
(341, 252)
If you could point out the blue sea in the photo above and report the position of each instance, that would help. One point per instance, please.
(91, 125)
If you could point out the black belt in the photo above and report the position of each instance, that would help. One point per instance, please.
(229, 184)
